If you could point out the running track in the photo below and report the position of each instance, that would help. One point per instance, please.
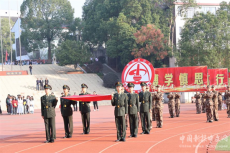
(187, 134)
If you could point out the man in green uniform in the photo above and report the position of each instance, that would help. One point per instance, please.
(84, 109)
(133, 110)
(203, 100)
(158, 107)
(177, 104)
(145, 98)
(171, 104)
(67, 112)
(209, 104)
(119, 100)
(220, 101)
(227, 99)
(215, 103)
(198, 102)
(48, 104)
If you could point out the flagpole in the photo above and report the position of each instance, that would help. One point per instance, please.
(1, 39)
(10, 33)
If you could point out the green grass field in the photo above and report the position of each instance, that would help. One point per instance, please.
(223, 145)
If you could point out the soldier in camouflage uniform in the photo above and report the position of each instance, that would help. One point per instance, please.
(198, 102)
(220, 99)
(177, 104)
(145, 98)
(171, 104)
(227, 99)
(158, 107)
(119, 100)
(203, 101)
(209, 104)
(48, 104)
(153, 118)
(133, 110)
(215, 104)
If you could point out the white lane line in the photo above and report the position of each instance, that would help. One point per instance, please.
(180, 134)
(197, 147)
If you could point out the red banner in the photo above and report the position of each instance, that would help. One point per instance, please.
(88, 97)
(181, 79)
(219, 78)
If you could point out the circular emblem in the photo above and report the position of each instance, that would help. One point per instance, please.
(137, 71)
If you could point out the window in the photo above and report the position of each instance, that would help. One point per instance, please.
(190, 13)
(206, 9)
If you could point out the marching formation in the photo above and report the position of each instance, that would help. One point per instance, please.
(145, 105)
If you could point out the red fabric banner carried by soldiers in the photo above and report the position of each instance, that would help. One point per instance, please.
(181, 79)
(89, 97)
(219, 78)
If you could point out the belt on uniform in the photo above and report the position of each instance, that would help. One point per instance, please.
(118, 106)
(144, 101)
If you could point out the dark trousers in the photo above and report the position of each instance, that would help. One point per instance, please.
(0, 110)
(85, 117)
(30, 71)
(68, 125)
(121, 127)
(95, 105)
(145, 119)
(75, 107)
(133, 122)
(50, 128)
(14, 110)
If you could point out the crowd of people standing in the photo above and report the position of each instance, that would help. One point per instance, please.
(19, 104)
(40, 83)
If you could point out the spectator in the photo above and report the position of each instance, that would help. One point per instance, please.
(31, 105)
(30, 62)
(95, 105)
(15, 105)
(75, 105)
(11, 106)
(20, 105)
(30, 67)
(8, 103)
(96, 59)
(41, 84)
(24, 104)
(28, 104)
(37, 84)
(0, 108)
(46, 81)
(52, 94)
(91, 60)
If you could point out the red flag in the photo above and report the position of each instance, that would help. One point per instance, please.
(6, 59)
(89, 97)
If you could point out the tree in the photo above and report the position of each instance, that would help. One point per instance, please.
(5, 30)
(203, 41)
(113, 22)
(43, 21)
(72, 52)
(169, 14)
(150, 42)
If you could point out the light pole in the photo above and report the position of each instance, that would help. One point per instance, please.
(10, 34)
(19, 36)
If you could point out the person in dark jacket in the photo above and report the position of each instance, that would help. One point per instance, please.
(95, 105)
(67, 112)
(145, 97)
(133, 110)
(84, 108)
(48, 104)
(119, 100)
